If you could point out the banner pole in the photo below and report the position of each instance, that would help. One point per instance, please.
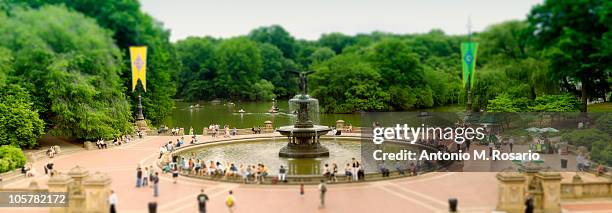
(140, 116)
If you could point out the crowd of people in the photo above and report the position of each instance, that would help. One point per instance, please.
(353, 171)
(216, 169)
(215, 129)
(147, 177)
(125, 139)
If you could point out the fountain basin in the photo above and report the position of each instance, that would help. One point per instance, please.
(264, 150)
(303, 142)
(252, 151)
(315, 130)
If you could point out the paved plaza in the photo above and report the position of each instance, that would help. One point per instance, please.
(476, 191)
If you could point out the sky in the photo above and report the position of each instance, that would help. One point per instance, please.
(308, 19)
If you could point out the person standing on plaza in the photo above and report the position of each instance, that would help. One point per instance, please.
(151, 174)
(230, 201)
(145, 177)
(348, 172)
(326, 172)
(322, 190)
(113, 200)
(162, 150)
(355, 167)
(155, 181)
(226, 131)
(138, 177)
(282, 173)
(202, 199)
(334, 172)
(511, 143)
(529, 204)
(175, 173)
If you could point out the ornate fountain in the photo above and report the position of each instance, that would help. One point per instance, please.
(304, 135)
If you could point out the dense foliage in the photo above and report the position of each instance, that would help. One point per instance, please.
(70, 67)
(518, 69)
(576, 36)
(597, 141)
(21, 125)
(64, 66)
(11, 158)
(129, 26)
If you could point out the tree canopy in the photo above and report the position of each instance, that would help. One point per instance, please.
(75, 82)
(573, 35)
(64, 66)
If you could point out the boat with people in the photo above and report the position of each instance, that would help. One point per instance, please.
(195, 106)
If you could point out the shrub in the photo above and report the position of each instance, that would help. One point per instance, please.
(11, 158)
(585, 137)
(602, 152)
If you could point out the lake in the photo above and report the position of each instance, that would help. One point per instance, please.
(256, 113)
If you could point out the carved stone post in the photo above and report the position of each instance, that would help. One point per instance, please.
(97, 189)
(76, 193)
(511, 194)
(268, 126)
(59, 183)
(339, 125)
(551, 190)
(578, 189)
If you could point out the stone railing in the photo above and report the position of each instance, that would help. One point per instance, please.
(86, 192)
(577, 189)
(546, 190)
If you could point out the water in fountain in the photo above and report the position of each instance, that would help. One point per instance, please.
(312, 105)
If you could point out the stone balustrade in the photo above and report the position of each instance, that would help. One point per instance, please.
(577, 189)
(86, 192)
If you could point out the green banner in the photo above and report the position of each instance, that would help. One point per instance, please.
(468, 58)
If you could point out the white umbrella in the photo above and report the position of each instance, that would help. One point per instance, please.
(533, 129)
(549, 129)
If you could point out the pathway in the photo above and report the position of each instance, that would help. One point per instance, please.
(476, 191)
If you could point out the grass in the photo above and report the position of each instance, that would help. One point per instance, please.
(600, 107)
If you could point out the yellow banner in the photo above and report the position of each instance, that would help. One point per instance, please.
(139, 66)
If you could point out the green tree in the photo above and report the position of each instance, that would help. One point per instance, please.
(276, 69)
(502, 103)
(585, 137)
(604, 123)
(263, 90)
(239, 68)
(346, 83)
(555, 103)
(6, 59)
(321, 54)
(198, 68)
(601, 152)
(277, 36)
(75, 82)
(11, 158)
(396, 63)
(335, 41)
(20, 125)
(507, 40)
(573, 32)
(132, 27)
